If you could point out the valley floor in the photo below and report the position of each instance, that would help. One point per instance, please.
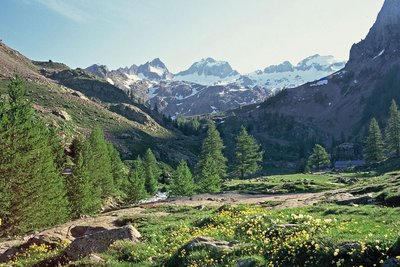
(336, 227)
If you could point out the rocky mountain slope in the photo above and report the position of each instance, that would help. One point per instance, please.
(210, 85)
(74, 101)
(337, 107)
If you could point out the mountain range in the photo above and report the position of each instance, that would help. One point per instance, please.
(209, 85)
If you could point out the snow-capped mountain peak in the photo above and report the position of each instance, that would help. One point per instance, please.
(286, 75)
(98, 70)
(322, 63)
(154, 70)
(207, 71)
(283, 67)
(132, 70)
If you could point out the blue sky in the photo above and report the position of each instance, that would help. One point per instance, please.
(250, 34)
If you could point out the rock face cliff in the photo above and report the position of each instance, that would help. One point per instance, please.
(383, 39)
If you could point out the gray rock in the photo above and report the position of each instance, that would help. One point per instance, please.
(198, 244)
(285, 226)
(361, 200)
(392, 262)
(99, 242)
(208, 243)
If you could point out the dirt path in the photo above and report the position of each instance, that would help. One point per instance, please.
(288, 200)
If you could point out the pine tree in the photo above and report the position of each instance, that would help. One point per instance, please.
(319, 158)
(58, 150)
(136, 190)
(152, 171)
(84, 196)
(117, 167)
(374, 145)
(5, 157)
(182, 182)
(99, 163)
(210, 181)
(33, 188)
(212, 148)
(392, 132)
(248, 154)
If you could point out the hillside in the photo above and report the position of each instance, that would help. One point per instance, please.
(75, 112)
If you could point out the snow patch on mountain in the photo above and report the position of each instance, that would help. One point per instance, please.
(110, 81)
(204, 79)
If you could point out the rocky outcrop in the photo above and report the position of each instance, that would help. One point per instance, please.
(99, 242)
(98, 70)
(62, 114)
(89, 245)
(135, 114)
(383, 39)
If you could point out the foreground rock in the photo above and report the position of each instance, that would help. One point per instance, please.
(100, 242)
(89, 241)
(198, 244)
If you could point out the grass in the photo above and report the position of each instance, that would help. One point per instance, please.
(342, 236)
(278, 184)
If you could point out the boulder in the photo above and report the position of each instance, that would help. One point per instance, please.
(50, 241)
(198, 244)
(99, 241)
(209, 243)
(361, 200)
(285, 226)
(82, 230)
(62, 114)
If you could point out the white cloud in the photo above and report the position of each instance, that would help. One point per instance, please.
(67, 9)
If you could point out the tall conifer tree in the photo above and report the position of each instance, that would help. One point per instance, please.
(83, 194)
(211, 167)
(35, 194)
(392, 132)
(319, 158)
(212, 148)
(99, 163)
(136, 189)
(374, 144)
(248, 154)
(117, 167)
(182, 182)
(152, 171)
